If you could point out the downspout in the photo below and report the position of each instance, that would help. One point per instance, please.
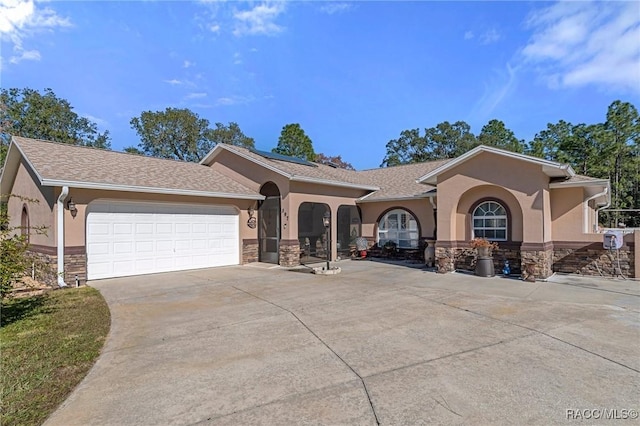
(585, 207)
(60, 228)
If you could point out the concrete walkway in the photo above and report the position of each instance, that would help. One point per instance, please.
(376, 344)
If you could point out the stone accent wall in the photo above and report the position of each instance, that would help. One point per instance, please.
(465, 258)
(289, 253)
(250, 251)
(75, 263)
(543, 259)
(445, 259)
(540, 262)
(593, 259)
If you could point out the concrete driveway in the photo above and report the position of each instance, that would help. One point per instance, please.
(376, 344)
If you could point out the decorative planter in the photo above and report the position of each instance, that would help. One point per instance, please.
(484, 263)
(484, 251)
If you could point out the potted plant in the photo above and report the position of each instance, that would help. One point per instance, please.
(483, 246)
(484, 262)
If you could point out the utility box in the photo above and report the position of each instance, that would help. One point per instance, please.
(613, 240)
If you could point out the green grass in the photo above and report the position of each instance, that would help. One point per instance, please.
(47, 345)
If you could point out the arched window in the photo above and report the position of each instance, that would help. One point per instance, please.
(490, 221)
(400, 227)
(24, 223)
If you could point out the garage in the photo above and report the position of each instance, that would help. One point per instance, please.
(127, 238)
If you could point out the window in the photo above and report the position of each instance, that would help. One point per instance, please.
(24, 223)
(490, 221)
(400, 227)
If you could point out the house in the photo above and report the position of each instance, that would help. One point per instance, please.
(115, 214)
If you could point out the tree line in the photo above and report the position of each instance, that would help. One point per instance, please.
(608, 149)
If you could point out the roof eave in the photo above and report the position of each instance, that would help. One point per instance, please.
(333, 183)
(595, 182)
(365, 199)
(149, 190)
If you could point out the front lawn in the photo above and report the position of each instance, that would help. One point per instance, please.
(48, 343)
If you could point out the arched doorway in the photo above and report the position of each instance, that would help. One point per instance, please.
(312, 233)
(349, 228)
(269, 224)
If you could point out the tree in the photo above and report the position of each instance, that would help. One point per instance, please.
(547, 143)
(294, 142)
(494, 133)
(449, 140)
(410, 147)
(231, 135)
(333, 161)
(28, 113)
(620, 153)
(445, 140)
(132, 150)
(179, 134)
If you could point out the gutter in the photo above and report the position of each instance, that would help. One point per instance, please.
(60, 228)
(585, 208)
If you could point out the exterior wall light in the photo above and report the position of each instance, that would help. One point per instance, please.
(326, 221)
(71, 205)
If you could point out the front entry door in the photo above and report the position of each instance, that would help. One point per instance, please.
(269, 229)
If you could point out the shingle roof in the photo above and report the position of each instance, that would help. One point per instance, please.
(399, 182)
(396, 182)
(58, 162)
(296, 171)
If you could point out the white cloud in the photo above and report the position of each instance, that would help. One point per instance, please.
(24, 55)
(97, 120)
(334, 7)
(23, 19)
(214, 28)
(188, 64)
(174, 82)
(259, 20)
(468, 35)
(490, 36)
(495, 93)
(237, 58)
(234, 100)
(196, 95)
(577, 44)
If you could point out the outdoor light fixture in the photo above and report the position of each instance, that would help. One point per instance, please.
(251, 222)
(326, 221)
(72, 207)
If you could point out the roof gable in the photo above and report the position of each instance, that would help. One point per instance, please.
(57, 164)
(550, 168)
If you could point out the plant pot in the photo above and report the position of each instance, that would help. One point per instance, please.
(484, 267)
(484, 251)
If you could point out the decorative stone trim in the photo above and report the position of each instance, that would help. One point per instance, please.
(250, 251)
(75, 262)
(536, 263)
(289, 253)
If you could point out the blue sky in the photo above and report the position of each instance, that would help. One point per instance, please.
(353, 74)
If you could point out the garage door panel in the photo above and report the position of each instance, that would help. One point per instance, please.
(164, 228)
(120, 248)
(136, 238)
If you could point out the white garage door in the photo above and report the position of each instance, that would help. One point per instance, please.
(142, 238)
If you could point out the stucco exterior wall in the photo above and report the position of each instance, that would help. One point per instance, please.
(41, 212)
(567, 214)
(248, 173)
(525, 182)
